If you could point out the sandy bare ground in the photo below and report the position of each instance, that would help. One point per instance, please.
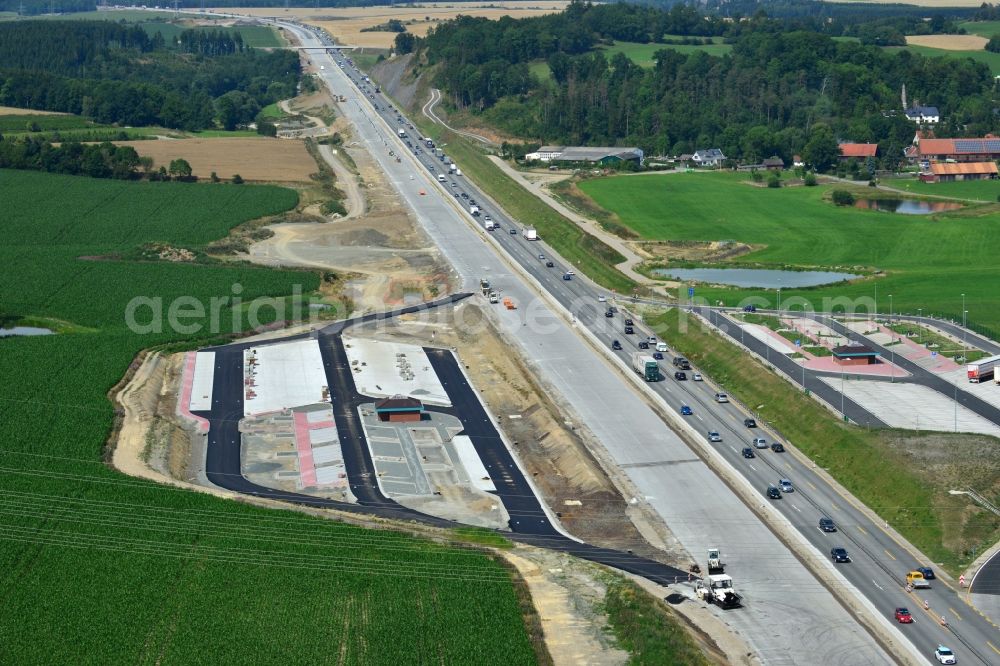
(949, 42)
(345, 24)
(14, 111)
(254, 159)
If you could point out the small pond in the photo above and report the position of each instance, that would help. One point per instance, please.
(23, 330)
(906, 206)
(756, 277)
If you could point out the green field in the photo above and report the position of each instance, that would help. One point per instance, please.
(982, 28)
(257, 36)
(930, 261)
(981, 190)
(642, 54)
(14, 124)
(992, 60)
(97, 567)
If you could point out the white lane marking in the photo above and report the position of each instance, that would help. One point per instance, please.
(877, 585)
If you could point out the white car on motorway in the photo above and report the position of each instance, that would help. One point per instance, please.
(697, 377)
(945, 655)
(602, 299)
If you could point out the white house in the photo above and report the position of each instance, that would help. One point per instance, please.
(709, 157)
(924, 115)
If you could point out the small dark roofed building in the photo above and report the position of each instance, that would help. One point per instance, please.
(399, 408)
(774, 163)
(854, 355)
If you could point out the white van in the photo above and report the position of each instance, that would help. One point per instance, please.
(441, 178)
(661, 346)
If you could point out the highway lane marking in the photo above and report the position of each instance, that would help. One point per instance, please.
(797, 508)
(889, 554)
(734, 449)
(809, 483)
(753, 468)
(993, 647)
(954, 613)
(877, 585)
(863, 530)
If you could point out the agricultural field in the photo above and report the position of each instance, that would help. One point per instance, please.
(982, 28)
(948, 42)
(257, 36)
(991, 60)
(929, 261)
(981, 190)
(642, 54)
(15, 121)
(345, 24)
(99, 567)
(254, 158)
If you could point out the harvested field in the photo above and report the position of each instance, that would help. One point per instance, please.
(345, 24)
(948, 42)
(255, 159)
(14, 111)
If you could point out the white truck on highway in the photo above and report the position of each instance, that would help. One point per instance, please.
(715, 563)
(402, 134)
(441, 178)
(474, 210)
(719, 590)
(530, 233)
(982, 369)
(452, 167)
(490, 225)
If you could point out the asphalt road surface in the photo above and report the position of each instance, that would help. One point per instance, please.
(529, 522)
(880, 562)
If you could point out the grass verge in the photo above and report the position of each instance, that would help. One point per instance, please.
(903, 476)
(587, 254)
(646, 629)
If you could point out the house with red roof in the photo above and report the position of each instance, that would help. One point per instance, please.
(858, 151)
(959, 150)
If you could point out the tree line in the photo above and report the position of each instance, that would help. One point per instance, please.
(774, 94)
(97, 160)
(118, 74)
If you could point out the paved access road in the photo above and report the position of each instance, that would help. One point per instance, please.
(529, 522)
(879, 562)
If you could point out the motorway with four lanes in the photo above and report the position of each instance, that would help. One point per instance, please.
(880, 560)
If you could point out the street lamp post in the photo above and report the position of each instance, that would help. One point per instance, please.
(779, 301)
(920, 328)
(964, 320)
(890, 309)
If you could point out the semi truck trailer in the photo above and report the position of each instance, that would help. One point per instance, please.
(646, 367)
(982, 369)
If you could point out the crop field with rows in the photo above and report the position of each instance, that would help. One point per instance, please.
(97, 567)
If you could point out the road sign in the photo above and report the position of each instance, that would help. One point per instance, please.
(690, 292)
(798, 342)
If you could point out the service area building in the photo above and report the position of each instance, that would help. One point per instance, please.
(399, 408)
(854, 355)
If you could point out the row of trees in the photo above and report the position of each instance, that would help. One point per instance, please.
(118, 75)
(777, 92)
(211, 42)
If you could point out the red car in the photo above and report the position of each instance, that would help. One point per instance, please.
(903, 616)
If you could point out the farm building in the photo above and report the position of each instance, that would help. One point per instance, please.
(708, 157)
(774, 163)
(854, 355)
(944, 172)
(399, 408)
(603, 155)
(960, 150)
(858, 151)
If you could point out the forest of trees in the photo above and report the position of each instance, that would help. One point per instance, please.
(774, 93)
(118, 74)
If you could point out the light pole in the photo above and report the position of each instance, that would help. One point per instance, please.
(843, 414)
(920, 328)
(876, 301)
(890, 309)
(779, 301)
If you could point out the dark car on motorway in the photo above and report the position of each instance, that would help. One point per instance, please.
(827, 524)
(658, 356)
(839, 555)
(609, 314)
(748, 452)
(777, 447)
(686, 411)
(616, 345)
(550, 264)
(629, 330)
(629, 322)
(927, 572)
(750, 423)
(773, 493)
(643, 345)
(680, 376)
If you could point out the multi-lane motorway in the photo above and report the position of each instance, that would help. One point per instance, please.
(791, 618)
(880, 560)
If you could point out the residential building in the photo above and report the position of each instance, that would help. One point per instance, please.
(858, 151)
(774, 163)
(708, 157)
(924, 115)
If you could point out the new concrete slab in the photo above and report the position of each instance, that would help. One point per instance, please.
(478, 476)
(913, 406)
(383, 369)
(282, 376)
(204, 376)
